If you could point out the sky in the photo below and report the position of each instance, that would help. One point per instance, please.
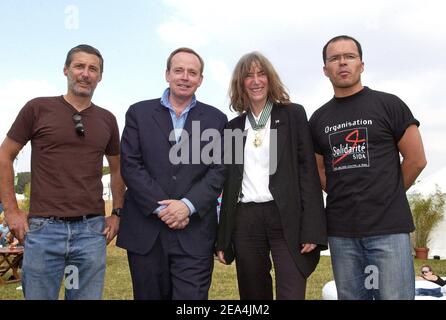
(404, 51)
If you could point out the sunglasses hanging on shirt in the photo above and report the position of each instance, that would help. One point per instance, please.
(78, 125)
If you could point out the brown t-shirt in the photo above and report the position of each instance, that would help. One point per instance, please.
(66, 169)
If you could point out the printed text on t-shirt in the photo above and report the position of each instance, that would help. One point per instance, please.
(349, 149)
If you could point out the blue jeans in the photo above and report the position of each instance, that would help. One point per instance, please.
(375, 267)
(54, 249)
(434, 292)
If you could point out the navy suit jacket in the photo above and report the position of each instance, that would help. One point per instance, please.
(150, 177)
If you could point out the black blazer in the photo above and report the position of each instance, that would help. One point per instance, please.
(295, 187)
(150, 177)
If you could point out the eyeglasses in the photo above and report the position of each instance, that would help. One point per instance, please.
(346, 56)
(78, 125)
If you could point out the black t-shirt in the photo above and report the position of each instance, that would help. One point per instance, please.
(439, 281)
(358, 137)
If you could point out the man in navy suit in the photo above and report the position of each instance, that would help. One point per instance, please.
(169, 219)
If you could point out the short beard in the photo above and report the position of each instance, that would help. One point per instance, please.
(83, 94)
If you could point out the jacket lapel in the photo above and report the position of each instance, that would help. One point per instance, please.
(195, 114)
(279, 122)
(239, 123)
(162, 118)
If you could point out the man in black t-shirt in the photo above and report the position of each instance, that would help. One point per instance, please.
(358, 138)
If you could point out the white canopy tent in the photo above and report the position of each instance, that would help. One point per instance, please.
(106, 193)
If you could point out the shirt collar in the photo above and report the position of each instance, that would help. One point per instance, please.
(166, 103)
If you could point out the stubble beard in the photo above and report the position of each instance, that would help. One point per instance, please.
(81, 93)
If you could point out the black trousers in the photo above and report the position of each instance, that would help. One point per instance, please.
(167, 272)
(258, 234)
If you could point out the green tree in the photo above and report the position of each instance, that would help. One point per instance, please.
(105, 170)
(22, 179)
(427, 212)
(24, 205)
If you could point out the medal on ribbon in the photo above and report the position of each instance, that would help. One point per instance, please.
(257, 126)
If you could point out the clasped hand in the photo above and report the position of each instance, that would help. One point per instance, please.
(175, 214)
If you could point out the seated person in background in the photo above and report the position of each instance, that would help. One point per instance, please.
(4, 230)
(12, 242)
(6, 237)
(427, 274)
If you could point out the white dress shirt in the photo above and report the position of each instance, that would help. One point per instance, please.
(256, 165)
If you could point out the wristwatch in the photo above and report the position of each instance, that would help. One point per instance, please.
(117, 212)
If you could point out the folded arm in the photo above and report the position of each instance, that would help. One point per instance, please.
(414, 159)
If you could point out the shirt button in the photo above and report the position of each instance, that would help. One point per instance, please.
(174, 178)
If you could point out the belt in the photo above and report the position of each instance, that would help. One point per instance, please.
(258, 204)
(69, 219)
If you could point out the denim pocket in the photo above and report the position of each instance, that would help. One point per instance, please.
(96, 225)
(36, 224)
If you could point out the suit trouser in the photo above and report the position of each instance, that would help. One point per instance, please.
(258, 233)
(168, 272)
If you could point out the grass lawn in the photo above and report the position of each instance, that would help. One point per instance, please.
(224, 285)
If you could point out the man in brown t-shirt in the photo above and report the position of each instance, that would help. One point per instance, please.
(65, 231)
